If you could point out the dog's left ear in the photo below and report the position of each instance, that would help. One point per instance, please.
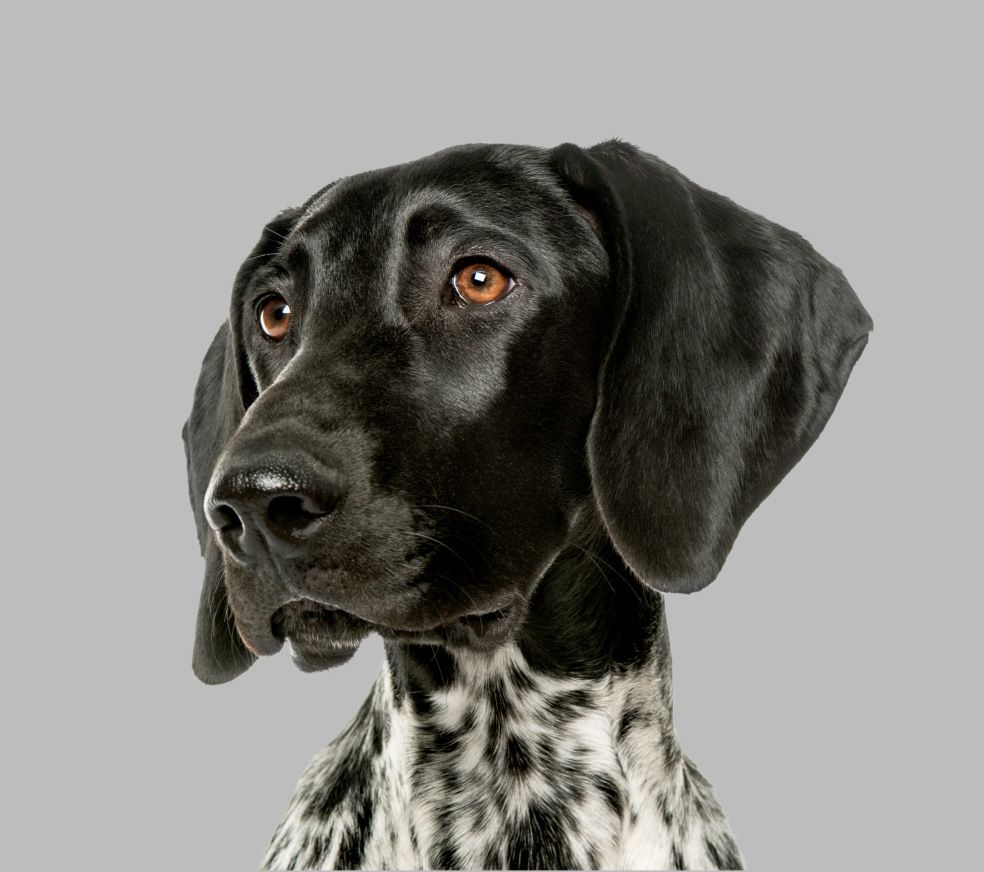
(731, 340)
(224, 391)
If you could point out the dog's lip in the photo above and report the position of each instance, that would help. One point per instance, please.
(319, 630)
(314, 625)
(478, 624)
(485, 623)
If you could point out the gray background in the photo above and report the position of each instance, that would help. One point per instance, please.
(828, 682)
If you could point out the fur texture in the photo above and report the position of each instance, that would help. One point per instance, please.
(502, 491)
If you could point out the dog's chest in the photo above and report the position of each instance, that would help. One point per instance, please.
(504, 768)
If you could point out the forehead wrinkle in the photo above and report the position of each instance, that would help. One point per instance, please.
(397, 250)
(351, 259)
(459, 224)
(415, 206)
(344, 224)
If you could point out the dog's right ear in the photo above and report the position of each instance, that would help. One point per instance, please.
(224, 391)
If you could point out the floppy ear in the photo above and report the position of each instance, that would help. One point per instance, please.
(731, 341)
(224, 391)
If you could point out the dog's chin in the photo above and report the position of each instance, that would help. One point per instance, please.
(308, 660)
(322, 637)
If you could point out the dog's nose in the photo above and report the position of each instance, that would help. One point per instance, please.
(268, 507)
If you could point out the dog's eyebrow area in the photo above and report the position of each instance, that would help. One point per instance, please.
(427, 223)
(458, 229)
(287, 261)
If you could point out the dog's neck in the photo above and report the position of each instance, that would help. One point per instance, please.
(554, 751)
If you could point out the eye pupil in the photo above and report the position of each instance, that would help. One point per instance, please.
(479, 276)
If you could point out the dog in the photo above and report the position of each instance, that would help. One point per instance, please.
(491, 405)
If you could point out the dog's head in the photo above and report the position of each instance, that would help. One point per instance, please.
(430, 372)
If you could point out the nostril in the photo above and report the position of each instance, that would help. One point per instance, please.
(272, 504)
(296, 514)
(225, 519)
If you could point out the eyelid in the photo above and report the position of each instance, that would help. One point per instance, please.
(470, 259)
(265, 295)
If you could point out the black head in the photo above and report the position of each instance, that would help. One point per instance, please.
(431, 372)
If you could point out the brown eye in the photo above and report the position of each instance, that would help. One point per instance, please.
(481, 283)
(273, 313)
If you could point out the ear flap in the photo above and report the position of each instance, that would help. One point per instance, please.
(225, 390)
(732, 340)
(219, 653)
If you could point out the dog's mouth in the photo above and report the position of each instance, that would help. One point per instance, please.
(321, 636)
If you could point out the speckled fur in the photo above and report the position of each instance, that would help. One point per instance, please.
(509, 767)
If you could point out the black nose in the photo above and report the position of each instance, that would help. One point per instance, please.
(267, 507)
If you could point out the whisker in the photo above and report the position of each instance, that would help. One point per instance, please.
(275, 233)
(443, 545)
(591, 557)
(595, 558)
(459, 511)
